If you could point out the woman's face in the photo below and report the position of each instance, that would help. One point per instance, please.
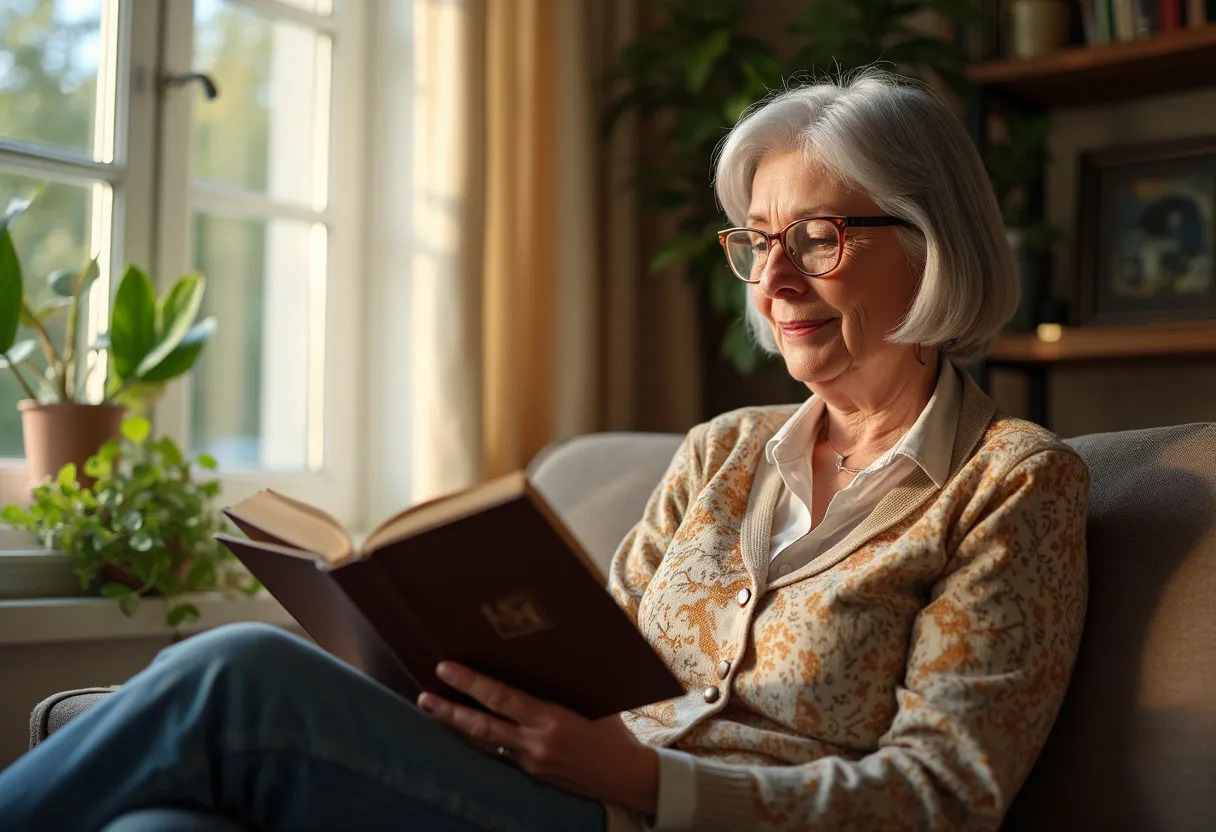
(835, 324)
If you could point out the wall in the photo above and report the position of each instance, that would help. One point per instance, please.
(1118, 397)
(58, 644)
(32, 672)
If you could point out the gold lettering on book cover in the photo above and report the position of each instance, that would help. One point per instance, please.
(516, 615)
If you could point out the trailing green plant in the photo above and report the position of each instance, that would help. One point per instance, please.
(150, 340)
(697, 71)
(145, 527)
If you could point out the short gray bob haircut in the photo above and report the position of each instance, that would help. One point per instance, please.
(900, 144)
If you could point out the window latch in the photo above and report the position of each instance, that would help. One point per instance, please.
(168, 82)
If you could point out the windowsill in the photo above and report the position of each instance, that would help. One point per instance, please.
(44, 620)
(42, 602)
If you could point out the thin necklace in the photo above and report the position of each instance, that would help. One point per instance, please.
(840, 466)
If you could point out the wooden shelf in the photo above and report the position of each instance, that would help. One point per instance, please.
(1109, 72)
(1108, 343)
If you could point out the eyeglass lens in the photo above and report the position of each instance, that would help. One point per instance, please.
(813, 246)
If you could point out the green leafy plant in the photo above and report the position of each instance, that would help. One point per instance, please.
(145, 527)
(150, 340)
(1016, 162)
(696, 72)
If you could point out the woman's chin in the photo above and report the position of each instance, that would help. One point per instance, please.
(809, 368)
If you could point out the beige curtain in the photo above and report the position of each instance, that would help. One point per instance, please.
(519, 281)
(507, 288)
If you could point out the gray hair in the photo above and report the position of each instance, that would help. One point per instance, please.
(902, 145)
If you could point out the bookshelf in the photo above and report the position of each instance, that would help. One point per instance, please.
(1078, 77)
(1107, 73)
(1097, 344)
(1140, 344)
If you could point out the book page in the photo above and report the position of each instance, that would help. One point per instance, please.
(443, 510)
(295, 523)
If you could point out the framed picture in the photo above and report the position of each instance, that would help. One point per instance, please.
(1147, 222)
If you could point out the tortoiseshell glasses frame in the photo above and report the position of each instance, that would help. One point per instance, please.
(818, 243)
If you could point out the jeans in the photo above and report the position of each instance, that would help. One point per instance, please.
(248, 726)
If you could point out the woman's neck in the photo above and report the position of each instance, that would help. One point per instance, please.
(867, 413)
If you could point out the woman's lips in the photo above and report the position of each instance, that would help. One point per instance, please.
(803, 329)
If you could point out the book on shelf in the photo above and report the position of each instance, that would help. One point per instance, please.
(489, 577)
(1105, 21)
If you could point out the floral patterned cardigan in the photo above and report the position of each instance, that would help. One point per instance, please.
(907, 677)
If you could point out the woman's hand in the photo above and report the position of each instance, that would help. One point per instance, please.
(600, 758)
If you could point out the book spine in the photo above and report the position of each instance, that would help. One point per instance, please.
(1125, 20)
(1087, 22)
(1145, 18)
(1102, 21)
(1196, 13)
(1171, 15)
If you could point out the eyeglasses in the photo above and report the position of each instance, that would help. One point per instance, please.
(813, 245)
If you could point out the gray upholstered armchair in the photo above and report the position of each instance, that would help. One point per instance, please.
(1135, 744)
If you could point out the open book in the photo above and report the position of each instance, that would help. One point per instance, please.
(488, 577)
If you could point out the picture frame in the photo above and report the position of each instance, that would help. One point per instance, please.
(1147, 233)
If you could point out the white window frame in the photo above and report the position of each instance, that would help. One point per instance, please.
(127, 77)
(151, 177)
(335, 486)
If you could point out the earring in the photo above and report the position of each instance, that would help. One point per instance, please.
(919, 360)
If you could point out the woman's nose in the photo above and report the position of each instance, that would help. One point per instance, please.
(779, 277)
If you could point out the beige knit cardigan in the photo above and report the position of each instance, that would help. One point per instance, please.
(907, 677)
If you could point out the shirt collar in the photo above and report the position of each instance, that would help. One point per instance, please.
(929, 443)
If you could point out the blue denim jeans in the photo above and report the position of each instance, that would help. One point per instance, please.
(247, 726)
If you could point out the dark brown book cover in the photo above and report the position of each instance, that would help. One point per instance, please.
(505, 590)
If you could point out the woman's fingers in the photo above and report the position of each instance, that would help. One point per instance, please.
(498, 696)
(485, 730)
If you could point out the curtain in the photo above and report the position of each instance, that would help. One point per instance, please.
(505, 351)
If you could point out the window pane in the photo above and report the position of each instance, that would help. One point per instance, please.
(55, 233)
(268, 130)
(314, 6)
(252, 397)
(50, 51)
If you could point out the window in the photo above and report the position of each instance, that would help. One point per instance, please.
(257, 188)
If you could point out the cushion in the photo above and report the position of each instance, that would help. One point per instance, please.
(1135, 743)
(599, 484)
(58, 710)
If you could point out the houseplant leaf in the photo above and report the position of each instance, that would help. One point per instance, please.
(16, 207)
(132, 322)
(176, 317)
(183, 357)
(135, 429)
(62, 281)
(10, 291)
(19, 352)
(32, 317)
(81, 284)
(140, 396)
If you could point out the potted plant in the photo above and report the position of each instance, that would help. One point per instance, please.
(1016, 159)
(698, 69)
(150, 341)
(145, 526)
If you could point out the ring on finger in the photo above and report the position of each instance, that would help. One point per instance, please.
(503, 751)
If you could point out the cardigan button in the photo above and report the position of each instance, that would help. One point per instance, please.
(744, 596)
(723, 668)
(710, 694)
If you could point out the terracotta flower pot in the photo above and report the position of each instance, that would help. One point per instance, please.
(63, 432)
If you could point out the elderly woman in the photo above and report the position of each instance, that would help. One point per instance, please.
(873, 599)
